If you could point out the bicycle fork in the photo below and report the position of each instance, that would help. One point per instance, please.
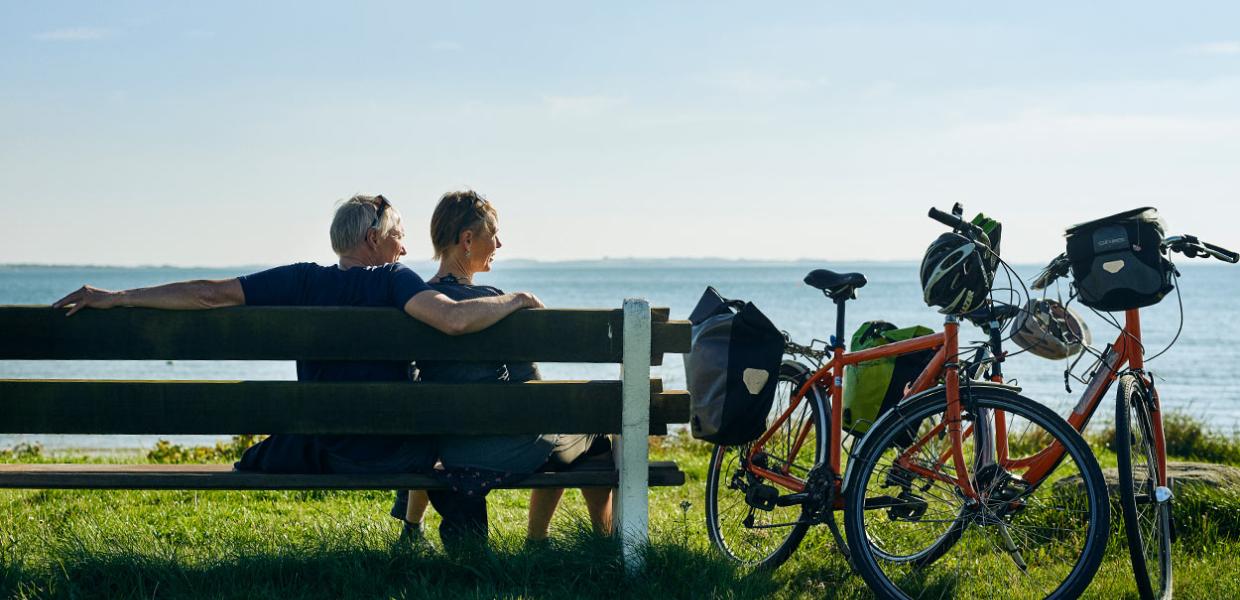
(988, 475)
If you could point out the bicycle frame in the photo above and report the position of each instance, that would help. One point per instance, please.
(831, 376)
(1127, 349)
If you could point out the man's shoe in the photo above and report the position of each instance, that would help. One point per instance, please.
(413, 537)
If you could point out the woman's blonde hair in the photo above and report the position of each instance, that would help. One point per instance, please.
(456, 213)
(359, 214)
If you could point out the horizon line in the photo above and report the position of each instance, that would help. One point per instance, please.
(517, 263)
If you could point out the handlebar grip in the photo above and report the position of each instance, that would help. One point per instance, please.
(1222, 253)
(953, 221)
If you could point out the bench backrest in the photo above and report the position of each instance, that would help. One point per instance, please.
(314, 333)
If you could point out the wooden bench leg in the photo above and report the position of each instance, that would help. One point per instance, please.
(632, 505)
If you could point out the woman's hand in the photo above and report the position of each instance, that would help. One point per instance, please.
(529, 300)
(89, 296)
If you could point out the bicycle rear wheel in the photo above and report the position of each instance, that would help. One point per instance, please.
(1023, 539)
(753, 536)
(1147, 521)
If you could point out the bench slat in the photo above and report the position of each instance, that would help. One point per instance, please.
(223, 407)
(319, 333)
(222, 477)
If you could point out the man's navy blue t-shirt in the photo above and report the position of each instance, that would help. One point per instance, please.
(308, 284)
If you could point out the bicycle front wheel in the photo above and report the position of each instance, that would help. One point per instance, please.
(1020, 539)
(1147, 518)
(744, 520)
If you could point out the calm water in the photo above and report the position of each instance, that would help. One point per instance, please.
(1199, 372)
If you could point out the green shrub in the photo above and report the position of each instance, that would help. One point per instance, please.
(21, 453)
(1187, 438)
(169, 453)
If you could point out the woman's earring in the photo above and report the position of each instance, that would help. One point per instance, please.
(467, 254)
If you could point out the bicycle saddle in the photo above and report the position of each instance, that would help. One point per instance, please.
(841, 285)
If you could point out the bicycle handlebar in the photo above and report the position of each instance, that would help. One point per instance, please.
(1222, 254)
(1187, 245)
(1190, 246)
(1057, 268)
(955, 222)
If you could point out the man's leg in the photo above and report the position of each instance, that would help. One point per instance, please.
(416, 509)
(464, 524)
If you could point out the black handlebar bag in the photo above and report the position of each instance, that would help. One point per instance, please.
(1117, 262)
(731, 370)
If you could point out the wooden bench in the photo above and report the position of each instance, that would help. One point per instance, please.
(635, 337)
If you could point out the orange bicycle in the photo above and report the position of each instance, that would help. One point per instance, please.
(928, 495)
(1145, 494)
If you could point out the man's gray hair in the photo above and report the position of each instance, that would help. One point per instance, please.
(357, 215)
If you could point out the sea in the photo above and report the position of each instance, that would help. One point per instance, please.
(1194, 333)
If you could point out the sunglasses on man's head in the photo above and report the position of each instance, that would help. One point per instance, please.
(381, 204)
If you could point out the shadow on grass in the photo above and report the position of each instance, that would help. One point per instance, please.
(572, 567)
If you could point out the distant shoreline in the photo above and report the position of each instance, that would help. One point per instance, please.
(525, 263)
(512, 263)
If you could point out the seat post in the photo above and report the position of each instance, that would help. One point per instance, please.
(839, 322)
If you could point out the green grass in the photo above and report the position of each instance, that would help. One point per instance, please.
(142, 544)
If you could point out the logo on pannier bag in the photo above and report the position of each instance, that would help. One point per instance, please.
(1110, 238)
(1113, 266)
(755, 379)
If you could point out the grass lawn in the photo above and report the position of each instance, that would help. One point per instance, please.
(140, 544)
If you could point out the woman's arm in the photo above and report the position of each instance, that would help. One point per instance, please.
(184, 295)
(466, 316)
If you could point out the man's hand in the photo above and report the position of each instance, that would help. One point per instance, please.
(88, 296)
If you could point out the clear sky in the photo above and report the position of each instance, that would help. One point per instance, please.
(215, 133)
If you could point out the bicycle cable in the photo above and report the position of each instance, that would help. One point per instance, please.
(1180, 301)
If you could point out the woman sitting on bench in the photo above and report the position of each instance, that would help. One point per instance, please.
(464, 232)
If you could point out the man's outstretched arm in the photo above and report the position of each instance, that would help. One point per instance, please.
(184, 295)
(466, 316)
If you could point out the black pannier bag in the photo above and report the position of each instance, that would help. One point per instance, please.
(1117, 262)
(731, 369)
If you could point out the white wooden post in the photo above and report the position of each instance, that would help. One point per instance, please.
(632, 502)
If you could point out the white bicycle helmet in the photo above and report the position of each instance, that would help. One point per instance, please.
(1050, 330)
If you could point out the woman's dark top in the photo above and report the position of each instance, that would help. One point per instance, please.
(455, 371)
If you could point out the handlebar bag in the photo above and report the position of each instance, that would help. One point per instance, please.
(873, 387)
(731, 369)
(1117, 261)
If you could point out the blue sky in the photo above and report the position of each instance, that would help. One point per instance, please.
(222, 133)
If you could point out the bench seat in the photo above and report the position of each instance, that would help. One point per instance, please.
(589, 473)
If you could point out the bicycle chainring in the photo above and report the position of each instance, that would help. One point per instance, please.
(820, 494)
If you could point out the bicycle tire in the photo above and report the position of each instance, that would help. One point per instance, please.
(1147, 522)
(973, 564)
(763, 548)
